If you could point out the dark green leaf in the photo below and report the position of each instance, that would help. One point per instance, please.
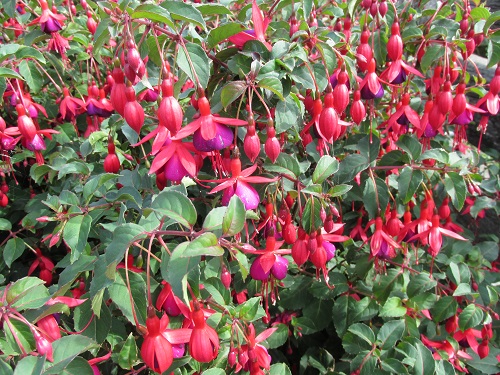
(285, 164)
(311, 218)
(75, 234)
(375, 198)
(470, 317)
(102, 33)
(420, 283)
(120, 295)
(349, 168)
(234, 218)
(279, 337)
(493, 53)
(13, 249)
(123, 236)
(176, 269)
(9, 6)
(444, 308)
(30, 52)
(369, 147)
(5, 224)
(221, 33)
(93, 326)
(288, 114)
(394, 366)
(78, 366)
(410, 145)
(128, 354)
(206, 244)
(362, 331)
(154, 13)
(30, 365)
(31, 75)
(325, 168)
(386, 283)
(217, 291)
(66, 349)
(251, 310)
(199, 60)
(411, 33)
(393, 308)
(9, 73)
(456, 189)
(184, 12)
(232, 91)
(339, 190)
(437, 154)
(390, 333)
(27, 292)
(175, 206)
(394, 157)
(272, 84)
(432, 54)
(409, 181)
(213, 9)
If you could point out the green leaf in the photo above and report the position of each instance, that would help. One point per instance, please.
(362, 331)
(410, 145)
(437, 154)
(251, 310)
(390, 333)
(285, 164)
(221, 33)
(213, 9)
(279, 337)
(411, 32)
(490, 21)
(349, 168)
(128, 354)
(394, 366)
(232, 91)
(420, 283)
(214, 371)
(279, 369)
(66, 349)
(383, 287)
(200, 62)
(120, 295)
(214, 219)
(424, 361)
(325, 168)
(234, 218)
(175, 206)
(205, 244)
(29, 52)
(78, 366)
(75, 234)
(5, 224)
(102, 33)
(479, 13)
(272, 84)
(288, 115)
(444, 308)
(339, 190)
(31, 75)
(177, 268)
(470, 317)
(5, 369)
(95, 327)
(409, 181)
(393, 308)
(27, 292)
(375, 199)
(456, 189)
(30, 365)
(9, 6)
(369, 147)
(217, 291)
(432, 54)
(493, 53)
(9, 73)
(184, 12)
(311, 218)
(154, 13)
(13, 249)
(123, 236)
(394, 157)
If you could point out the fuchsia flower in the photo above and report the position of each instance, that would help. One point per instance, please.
(381, 244)
(370, 86)
(239, 184)
(211, 128)
(253, 356)
(50, 22)
(258, 33)
(70, 107)
(204, 342)
(445, 346)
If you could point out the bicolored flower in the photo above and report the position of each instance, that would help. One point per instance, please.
(204, 342)
(258, 33)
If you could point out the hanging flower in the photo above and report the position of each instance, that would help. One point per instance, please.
(50, 22)
(258, 33)
(204, 342)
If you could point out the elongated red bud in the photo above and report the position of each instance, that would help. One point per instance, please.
(133, 111)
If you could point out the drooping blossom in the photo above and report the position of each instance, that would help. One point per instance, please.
(49, 21)
(258, 33)
(239, 184)
(70, 107)
(204, 342)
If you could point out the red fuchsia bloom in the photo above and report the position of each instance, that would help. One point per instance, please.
(370, 86)
(405, 110)
(381, 244)
(434, 236)
(258, 33)
(45, 265)
(50, 22)
(70, 107)
(156, 350)
(253, 356)
(210, 132)
(111, 162)
(239, 184)
(169, 302)
(43, 346)
(49, 328)
(59, 44)
(270, 261)
(204, 342)
(96, 107)
(169, 111)
(468, 338)
(176, 159)
(452, 355)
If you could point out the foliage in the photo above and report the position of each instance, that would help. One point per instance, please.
(265, 187)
